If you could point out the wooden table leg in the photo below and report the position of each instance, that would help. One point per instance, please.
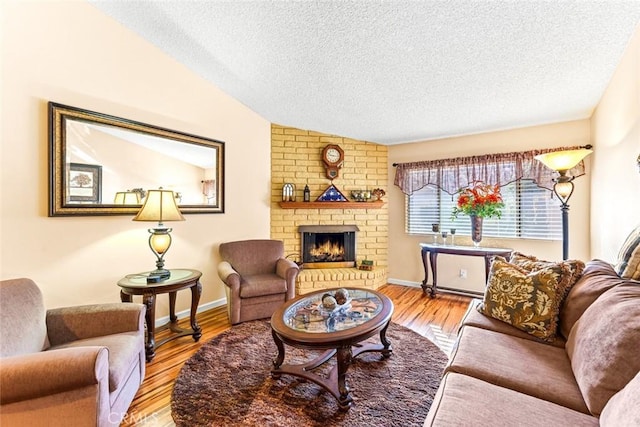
(149, 300)
(125, 297)
(386, 344)
(433, 256)
(172, 307)
(425, 286)
(196, 291)
(344, 357)
(277, 362)
(487, 267)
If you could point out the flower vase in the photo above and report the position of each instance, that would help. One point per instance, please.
(476, 230)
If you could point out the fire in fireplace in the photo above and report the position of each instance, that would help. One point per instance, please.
(328, 246)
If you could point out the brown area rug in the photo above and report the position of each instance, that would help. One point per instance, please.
(228, 383)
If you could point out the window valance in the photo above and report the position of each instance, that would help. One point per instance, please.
(500, 169)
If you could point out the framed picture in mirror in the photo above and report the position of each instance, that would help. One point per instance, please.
(85, 183)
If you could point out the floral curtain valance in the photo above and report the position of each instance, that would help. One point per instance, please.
(500, 169)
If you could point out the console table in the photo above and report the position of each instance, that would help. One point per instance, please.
(432, 250)
(136, 284)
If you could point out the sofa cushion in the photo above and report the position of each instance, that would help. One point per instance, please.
(603, 345)
(529, 367)
(623, 409)
(628, 265)
(465, 401)
(598, 277)
(124, 354)
(262, 284)
(473, 317)
(530, 301)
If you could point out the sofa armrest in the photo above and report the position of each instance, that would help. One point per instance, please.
(228, 275)
(34, 375)
(68, 324)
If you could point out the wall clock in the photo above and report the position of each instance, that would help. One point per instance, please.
(332, 157)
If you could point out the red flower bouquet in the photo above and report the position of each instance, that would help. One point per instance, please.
(481, 200)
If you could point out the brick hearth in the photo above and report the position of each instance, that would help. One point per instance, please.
(324, 278)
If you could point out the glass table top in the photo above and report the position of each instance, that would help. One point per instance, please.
(309, 314)
(139, 280)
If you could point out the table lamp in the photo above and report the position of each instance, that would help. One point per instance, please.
(561, 162)
(159, 205)
(127, 198)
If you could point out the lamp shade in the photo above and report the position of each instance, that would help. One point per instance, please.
(563, 160)
(127, 198)
(159, 205)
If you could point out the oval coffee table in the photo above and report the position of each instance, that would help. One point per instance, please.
(303, 323)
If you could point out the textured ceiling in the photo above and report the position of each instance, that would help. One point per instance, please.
(396, 71)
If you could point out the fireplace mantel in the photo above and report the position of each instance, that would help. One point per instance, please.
(332, 205)
(327, 228)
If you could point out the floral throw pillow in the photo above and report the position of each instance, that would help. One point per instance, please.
(531, 263)
(527, 300)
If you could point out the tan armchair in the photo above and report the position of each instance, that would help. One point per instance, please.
(258, 278)
(75, 366)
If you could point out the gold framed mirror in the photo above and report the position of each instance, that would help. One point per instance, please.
(103, 165)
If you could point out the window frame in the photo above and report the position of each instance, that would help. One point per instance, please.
(462, 225)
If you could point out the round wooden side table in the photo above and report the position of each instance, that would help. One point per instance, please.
(136, 284)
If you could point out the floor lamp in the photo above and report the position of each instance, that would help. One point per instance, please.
(561, 162)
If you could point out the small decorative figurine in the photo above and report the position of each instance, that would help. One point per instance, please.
(342, 296)
(329, 302)
(378, 192)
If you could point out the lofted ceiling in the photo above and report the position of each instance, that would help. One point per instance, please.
(396, 71)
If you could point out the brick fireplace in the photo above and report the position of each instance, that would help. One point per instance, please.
(296, 158)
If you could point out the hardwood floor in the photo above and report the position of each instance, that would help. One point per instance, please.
(436, 319)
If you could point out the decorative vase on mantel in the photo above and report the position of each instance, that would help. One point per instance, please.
(476, 230)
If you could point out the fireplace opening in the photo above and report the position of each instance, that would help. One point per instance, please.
(328, 246)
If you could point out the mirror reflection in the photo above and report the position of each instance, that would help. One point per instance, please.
(102, 165)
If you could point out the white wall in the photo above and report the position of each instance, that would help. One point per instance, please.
(405, 264)
(71, 53)
(615, 186)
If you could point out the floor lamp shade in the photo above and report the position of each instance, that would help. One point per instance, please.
(562, 161)
(159, 206)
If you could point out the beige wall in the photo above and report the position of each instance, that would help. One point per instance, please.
(71, 53)
(405, 265)
(615, 184)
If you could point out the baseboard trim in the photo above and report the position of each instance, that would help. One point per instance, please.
(404, 283)
(186, 313)
(442, 289)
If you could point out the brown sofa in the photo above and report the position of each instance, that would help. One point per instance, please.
(73, 366)
(501, 376)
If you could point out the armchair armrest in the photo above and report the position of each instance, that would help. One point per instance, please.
(34, 375)
(68, 324)
(228, 275)
(286, 268)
